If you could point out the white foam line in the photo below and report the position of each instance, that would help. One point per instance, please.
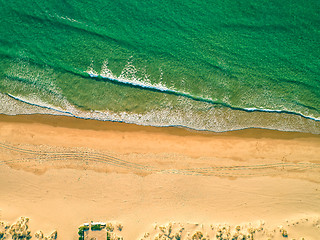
(282, 111)
(41, 106)
(158, 87)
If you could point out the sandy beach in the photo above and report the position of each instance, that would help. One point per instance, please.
(61, 172)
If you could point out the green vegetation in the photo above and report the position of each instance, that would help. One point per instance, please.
(19, 230)
(284, 233)
(81, 231)
(110, 227)
(96, 227)
(197, 236)
(120, 227)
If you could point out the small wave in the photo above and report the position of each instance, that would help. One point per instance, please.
(107, 75)
(158, 87)
(128, 76)
(68, 19)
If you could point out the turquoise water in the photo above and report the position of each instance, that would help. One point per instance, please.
(214, 65)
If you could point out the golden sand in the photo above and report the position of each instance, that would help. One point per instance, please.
(62, 172)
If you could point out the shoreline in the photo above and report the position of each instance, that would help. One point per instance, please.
(278, 121)
(62, 172)
(93, 124)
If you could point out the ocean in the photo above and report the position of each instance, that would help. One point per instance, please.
(205, 65)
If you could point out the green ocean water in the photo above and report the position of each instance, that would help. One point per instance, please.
(208, 65)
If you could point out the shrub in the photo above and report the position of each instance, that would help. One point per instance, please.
(96, 227)
(110, 227)
(81, 231)
(197, 236)
(119, 227)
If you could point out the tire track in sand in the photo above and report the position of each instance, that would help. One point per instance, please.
(95, 157)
